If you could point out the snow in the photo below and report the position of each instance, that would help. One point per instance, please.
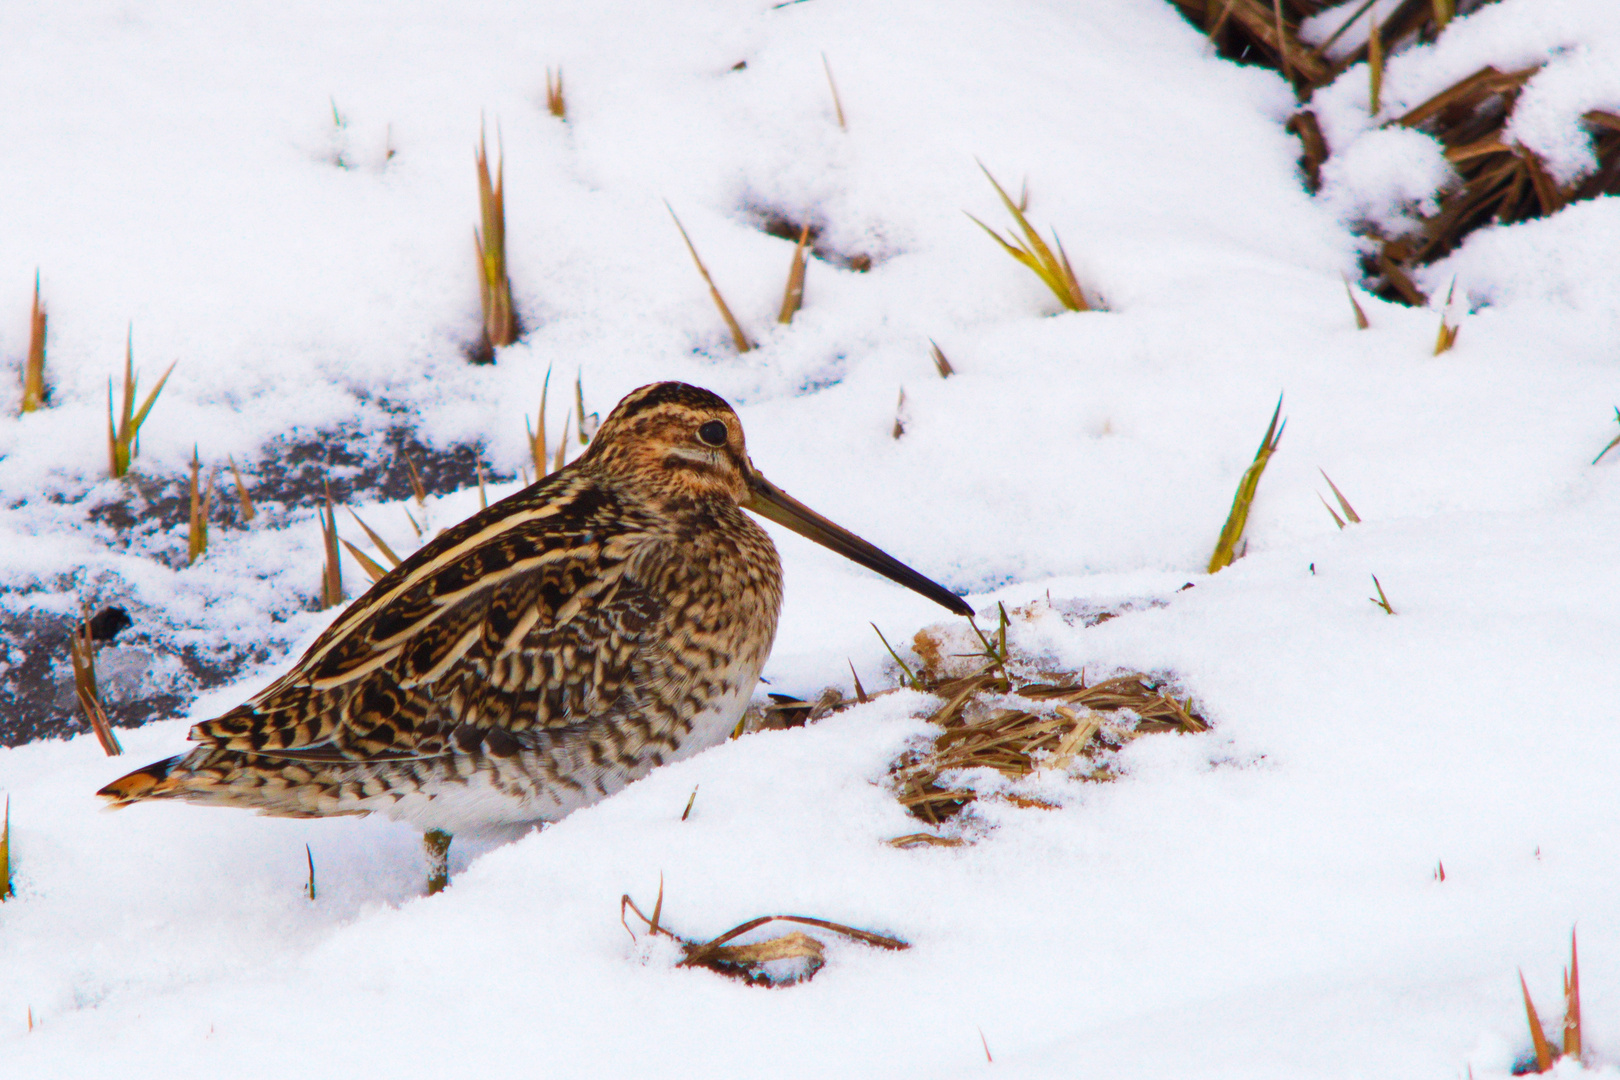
(1257, 901)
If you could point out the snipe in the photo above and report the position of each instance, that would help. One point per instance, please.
(540, 655)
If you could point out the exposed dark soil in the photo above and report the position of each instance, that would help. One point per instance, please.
(145, 676)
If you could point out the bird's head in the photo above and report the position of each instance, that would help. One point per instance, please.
(684, 445)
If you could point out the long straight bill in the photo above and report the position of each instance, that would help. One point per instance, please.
(770, 501)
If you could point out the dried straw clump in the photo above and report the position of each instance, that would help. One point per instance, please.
(1003, 712)
(791, 958)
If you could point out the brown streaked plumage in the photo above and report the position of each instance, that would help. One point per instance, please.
(542, 654)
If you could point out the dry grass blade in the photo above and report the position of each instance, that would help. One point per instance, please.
(838, 105)
(922, 839)
(201, 500)
(1361, 316)
(83, 651)
(588, 422)
(561, 457)
(1344, 504)
(244, 501)
(1337, 520)
(688, 811)
(1447, 336)
(1282, 41)
(556, 104)
(367, 563)
(418, 489)
(941, 365)
(860, 691)
(377, 541)
(900, 415)
(1032, 251)
(738, 338)
(1375, 64)
(1538, 1038)
(494, 288)
(1612, 442)
(1572, 1003)
(537, 433)
(1443, 11)
(6, 889)
(309, 889)
(1232, 531)
(483, 495)
(33, 394)
(124, 429)
(793, 295)
(1381, 600)
(332, 571)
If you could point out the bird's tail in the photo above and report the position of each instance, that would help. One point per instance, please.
(159, 780)
(216, 777)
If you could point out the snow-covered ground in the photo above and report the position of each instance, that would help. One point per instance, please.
(1257, 901)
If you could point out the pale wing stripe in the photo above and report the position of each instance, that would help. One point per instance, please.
(357, 616)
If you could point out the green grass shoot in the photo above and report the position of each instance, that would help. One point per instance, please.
(1344, 504)
(1612, 442)
(494, 287)
(910, 679)
(124, 429)
(793, 295)
(1232, 531)
(1053, 269)
(738, 338)
(309, 857)
(1381, 600)
(33, 395)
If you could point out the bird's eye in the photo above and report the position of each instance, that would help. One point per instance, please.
(713, 433)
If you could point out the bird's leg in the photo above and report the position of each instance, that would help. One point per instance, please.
(437, 842)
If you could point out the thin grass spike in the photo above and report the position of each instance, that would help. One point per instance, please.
(82, 648)
(1381, 600)
(1344, 504)
(556, 104)
(941, 365)
(1572, 1003)
(1232, 531)
(537, 434)
(495, 288)
(911, 679)
(33, 394)
(367, 563)
(244, 500)
(1538, 1038)
(838, 104)
(377, 541)
(1375, 64)
(1612, 442)
(6, 890)
(1361, 316)
(738, 338)
(793, 295)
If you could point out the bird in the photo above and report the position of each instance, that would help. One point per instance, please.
(539, 656)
